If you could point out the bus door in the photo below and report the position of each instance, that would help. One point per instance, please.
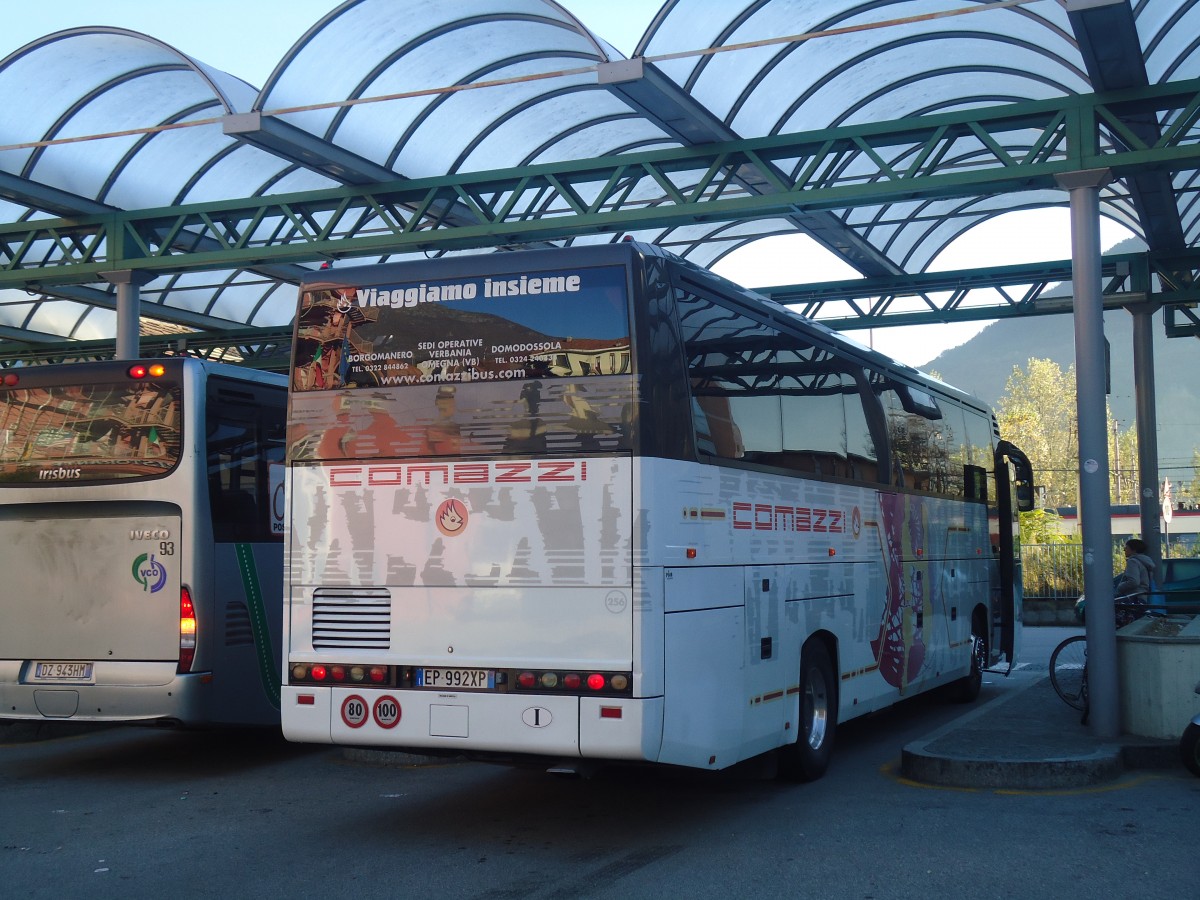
(1014, 493)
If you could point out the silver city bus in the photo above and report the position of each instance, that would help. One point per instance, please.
(141, 536)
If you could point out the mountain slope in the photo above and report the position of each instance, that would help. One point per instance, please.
(983, 365)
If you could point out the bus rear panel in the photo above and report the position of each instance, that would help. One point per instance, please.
(120, 603)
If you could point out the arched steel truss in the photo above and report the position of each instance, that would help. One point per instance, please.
(699, 152)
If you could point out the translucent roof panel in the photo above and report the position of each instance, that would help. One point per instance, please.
(113, 81)
(821, 82)
(427, 88)
(376, 48)
(1170, 34)
(883, 61)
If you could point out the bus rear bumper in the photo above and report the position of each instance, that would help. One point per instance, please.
(535, 725)
(119, 692)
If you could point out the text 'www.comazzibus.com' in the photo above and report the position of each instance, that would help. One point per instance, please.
(443, 377)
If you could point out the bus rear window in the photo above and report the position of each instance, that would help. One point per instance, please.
(537, 325)
(89, 432)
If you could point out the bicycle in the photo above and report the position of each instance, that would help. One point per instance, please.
(1068, 662)
(1068, 671)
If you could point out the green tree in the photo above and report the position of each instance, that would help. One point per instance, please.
(1123, 459)
(1041, 526)
(1038, 414)
(1191, 490)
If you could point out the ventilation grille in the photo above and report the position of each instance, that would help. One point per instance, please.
(351, 619)
(238, 631)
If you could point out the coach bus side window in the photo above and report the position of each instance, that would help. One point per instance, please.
(245, 432)
(861, 448)
(978, 440)
(917, 438)
(814, 426)
(773, 397)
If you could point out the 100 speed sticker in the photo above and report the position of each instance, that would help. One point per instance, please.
(385, 711)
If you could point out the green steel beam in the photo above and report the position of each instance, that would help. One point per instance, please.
(999, 292)
(929, 298)
(838, 168)
(258, 348)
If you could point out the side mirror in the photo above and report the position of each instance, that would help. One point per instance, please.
(1023, 471)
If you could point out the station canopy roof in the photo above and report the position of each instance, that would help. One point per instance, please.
(886, 61)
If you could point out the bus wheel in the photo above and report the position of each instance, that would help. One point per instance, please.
(1189, 748)
(967, 688)
(808, 758)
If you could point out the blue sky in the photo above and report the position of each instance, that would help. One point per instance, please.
(248, 37)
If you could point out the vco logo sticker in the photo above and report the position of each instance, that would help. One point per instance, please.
(149, 573)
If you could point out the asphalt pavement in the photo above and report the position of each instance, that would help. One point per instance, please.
(1028, 738)
(1024, 738)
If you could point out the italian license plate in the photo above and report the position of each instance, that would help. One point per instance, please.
(479, 679)
(62, 671)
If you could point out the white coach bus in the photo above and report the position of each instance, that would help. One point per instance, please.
(598, 504)
(141, 532)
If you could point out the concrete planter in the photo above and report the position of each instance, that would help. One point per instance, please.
(1158, 665)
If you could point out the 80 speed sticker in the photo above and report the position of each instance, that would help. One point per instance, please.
(354, 711)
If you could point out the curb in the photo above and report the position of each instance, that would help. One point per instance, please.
(1106, 764)
(920, 761)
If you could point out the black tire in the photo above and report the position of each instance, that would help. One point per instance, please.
(1189, 748)
(808, 758)
(1068, 671)
(967, 688)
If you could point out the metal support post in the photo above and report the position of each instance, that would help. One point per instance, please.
(129, 283)
(1092, 409)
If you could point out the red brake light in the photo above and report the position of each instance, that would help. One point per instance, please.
(187, 632)
(595, 681)
(572, 682)
(318, 673)
(526, 679)
(11, 379)
(141, 370)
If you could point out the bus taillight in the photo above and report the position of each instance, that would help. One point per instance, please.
(141, 370)
(187, 632)
(608, 683)
(344, 673)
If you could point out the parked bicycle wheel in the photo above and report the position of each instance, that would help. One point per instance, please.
(1068, 671)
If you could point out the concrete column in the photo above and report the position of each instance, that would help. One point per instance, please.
(129, 283)
(1095, 513)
